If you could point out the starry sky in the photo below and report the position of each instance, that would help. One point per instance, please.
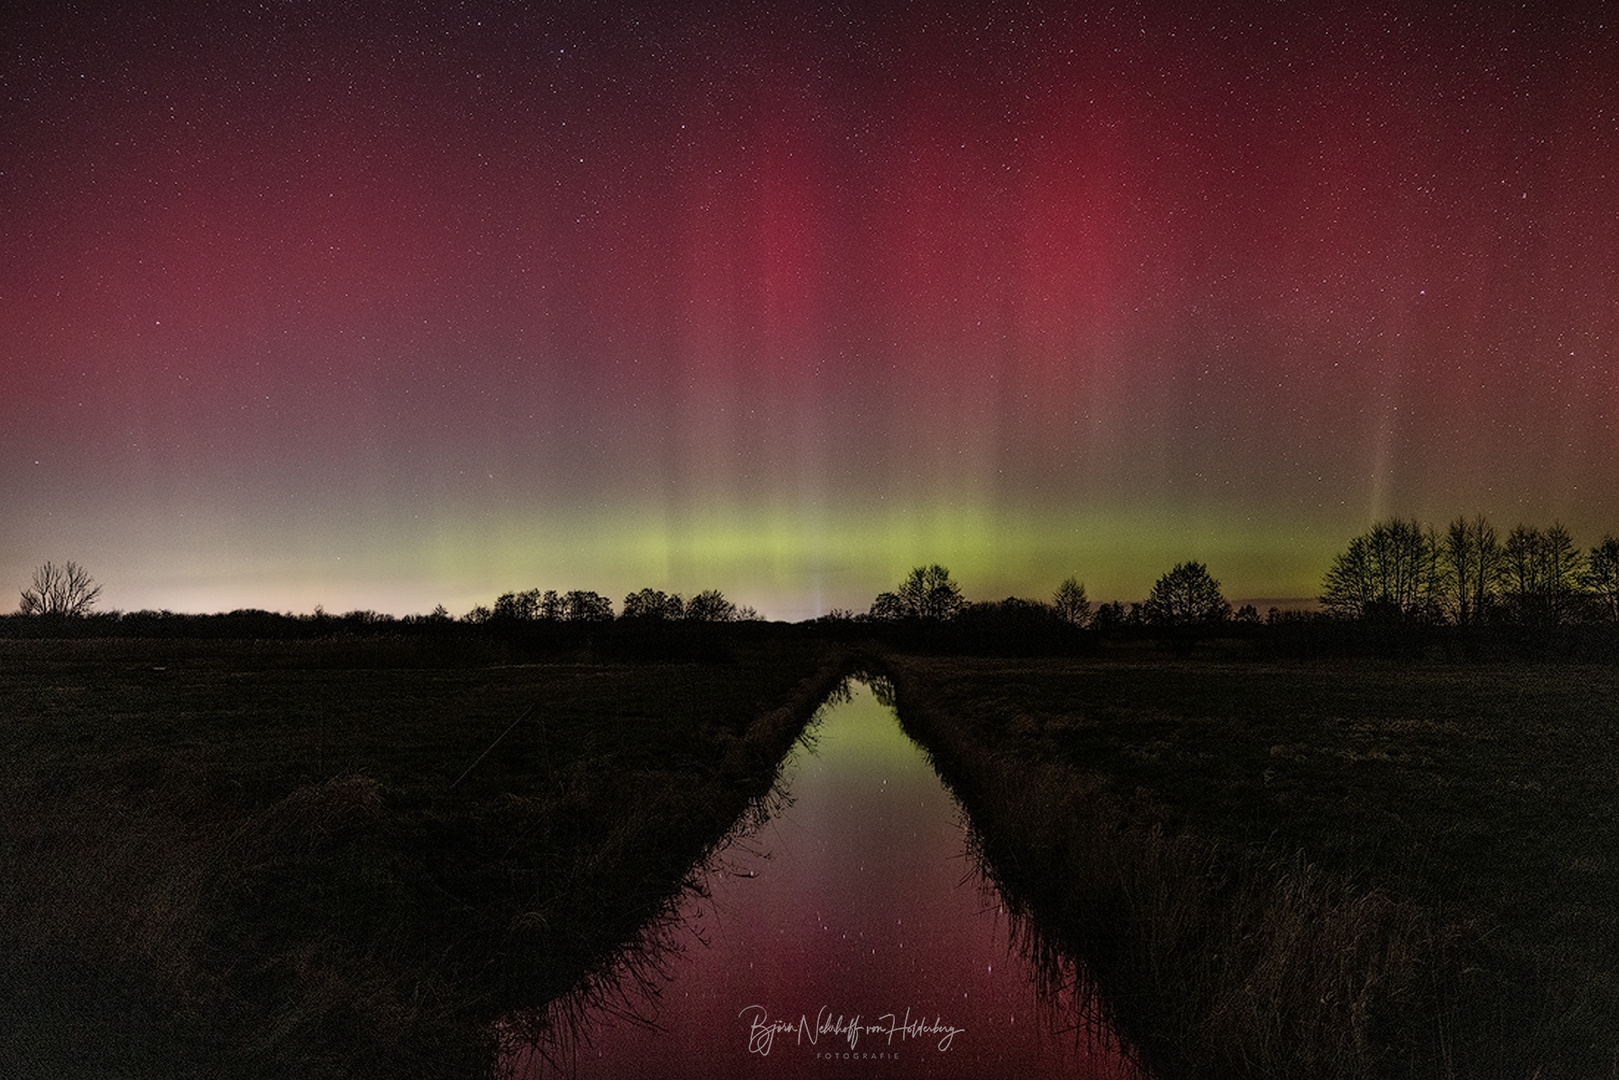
(389, 305)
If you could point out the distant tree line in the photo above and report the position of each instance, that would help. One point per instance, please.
(60, 601)
(1185, 596)
(580, 605)
(584, 606)
(1399, 582)
(1402, 572)
(928, 607)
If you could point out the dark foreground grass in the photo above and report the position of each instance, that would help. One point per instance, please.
(305, 858)
(1357, 869)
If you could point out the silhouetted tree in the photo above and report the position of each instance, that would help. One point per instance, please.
(886, 608)
(929, 593)
(1520, 573)
(1392, 573)
(1247, 614)
(1071, 603)
(710, 605)
(60, 590)
(653, 604)
(552, 608)
(1602, 579)
(1471, 558)
(1109, 616)
(1564, 574)
(1186, 598)
(581, 605)
(1542, 574)
(524, 606)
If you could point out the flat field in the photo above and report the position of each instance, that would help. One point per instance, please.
(347, 857)
(1458, 823)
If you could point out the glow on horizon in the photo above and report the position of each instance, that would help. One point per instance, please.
(785, 564)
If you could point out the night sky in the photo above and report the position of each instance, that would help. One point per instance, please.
(384, 306)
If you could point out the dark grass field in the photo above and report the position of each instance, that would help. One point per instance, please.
(323, 858)
(348, 857)
(1458, 823)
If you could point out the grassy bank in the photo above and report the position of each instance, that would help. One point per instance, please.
(1296, 869)
(347, 858)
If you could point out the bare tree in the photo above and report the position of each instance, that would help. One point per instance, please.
(710, 605)
(1543, 572)
(1602, 578)
(60, 590)
(1186, 597)
(653, 604)
(929, 593)
(1520, 572)
(1071, 603)
(1393, 572)
(1471, 559)
(886, 608)
(582, 605)
(1564, 573)
(552, 609)
(518, 606)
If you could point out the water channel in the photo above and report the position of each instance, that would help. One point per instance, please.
(852, 934)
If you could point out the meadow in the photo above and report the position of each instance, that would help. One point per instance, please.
(1360, 868)
(348, 858)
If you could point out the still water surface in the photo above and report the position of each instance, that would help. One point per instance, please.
(852, 935)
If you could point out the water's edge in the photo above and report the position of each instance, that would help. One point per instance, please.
(619, 976)
(643, 966)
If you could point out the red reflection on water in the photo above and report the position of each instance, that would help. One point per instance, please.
(851, 936)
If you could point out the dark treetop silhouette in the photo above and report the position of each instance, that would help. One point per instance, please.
(60, 590)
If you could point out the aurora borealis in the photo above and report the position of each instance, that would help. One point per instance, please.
(340, 304)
